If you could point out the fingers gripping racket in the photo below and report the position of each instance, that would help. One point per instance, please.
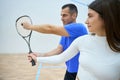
(24, 33)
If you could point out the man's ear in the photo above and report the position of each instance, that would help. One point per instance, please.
(74, 15)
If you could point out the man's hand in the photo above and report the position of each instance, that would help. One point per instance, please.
(26, 25)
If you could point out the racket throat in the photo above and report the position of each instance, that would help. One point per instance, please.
(30, 51)
(28, 43)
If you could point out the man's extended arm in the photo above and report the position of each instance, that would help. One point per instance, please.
(47, 29)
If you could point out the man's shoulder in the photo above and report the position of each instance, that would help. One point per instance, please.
(75, 25)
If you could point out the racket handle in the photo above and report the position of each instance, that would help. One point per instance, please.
(33, 62)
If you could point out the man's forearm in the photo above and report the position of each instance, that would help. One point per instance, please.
(46, 28)
(56, 51)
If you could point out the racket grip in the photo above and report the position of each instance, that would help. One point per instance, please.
(33, 62)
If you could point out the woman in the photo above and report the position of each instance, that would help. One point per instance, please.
(100, 53)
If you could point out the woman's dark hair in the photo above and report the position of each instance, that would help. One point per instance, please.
(72, 8)
(109, 10)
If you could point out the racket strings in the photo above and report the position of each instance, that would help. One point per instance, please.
(20, 28)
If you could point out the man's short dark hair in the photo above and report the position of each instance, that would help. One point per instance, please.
(72, 8)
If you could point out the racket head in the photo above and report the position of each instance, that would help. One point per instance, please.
(21, 31)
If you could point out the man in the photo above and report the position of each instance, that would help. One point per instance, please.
(68, 32)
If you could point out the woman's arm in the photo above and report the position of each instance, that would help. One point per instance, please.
(64, 56)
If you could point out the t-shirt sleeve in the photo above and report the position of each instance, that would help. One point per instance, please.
(76, 29)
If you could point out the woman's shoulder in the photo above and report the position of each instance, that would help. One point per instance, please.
(87, 36)
(83, 38)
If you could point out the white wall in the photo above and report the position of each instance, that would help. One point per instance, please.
(41, 11)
